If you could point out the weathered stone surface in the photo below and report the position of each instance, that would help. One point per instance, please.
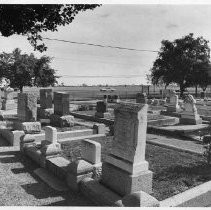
(130, 132)
(140, 199)
(190, 114)
(101, 107)
(61, 103)
(62, 121)
(51, 149)
(173, 106)
(91, 151)
(103, 115)
(123, 183)
(141, 98)
(99, 128)
(51, 134)
(46, 98)
(99, 194)
(8, 104)
(27, 107)
(58, 166)
(30, 127)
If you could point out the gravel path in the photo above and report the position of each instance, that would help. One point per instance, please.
(19, 186)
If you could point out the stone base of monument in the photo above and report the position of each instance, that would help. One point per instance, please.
(9, 105)
(28, 127)
(103, 115)
(44, 113)
(123, 183)
(62, 121)
(190, 118)
(103, 196)
(172, 108)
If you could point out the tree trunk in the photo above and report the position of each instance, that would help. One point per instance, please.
(182, 89)
(196, 93)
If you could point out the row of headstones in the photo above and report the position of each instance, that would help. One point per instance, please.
(125, 172)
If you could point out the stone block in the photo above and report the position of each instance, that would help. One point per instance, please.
(124, 183)
(102, 115)
(29, 127)
(51, 149)
(101, 106)
(58, 166)
(61, 103)
(27, 107)
(140, 199)
(9, 104)
(91, 151)
(51, 134)
(99, 194)
(46, 98)
(99, 128)
(62, 121)
(74, 180)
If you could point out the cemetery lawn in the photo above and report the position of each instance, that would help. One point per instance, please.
(173, 171)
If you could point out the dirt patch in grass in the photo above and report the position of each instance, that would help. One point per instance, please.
(173, 172)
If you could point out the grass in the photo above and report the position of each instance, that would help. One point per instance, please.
(173, 172)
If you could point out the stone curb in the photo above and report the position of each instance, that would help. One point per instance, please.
(196, 197)
(174, 147)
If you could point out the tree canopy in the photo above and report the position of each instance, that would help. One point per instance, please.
(184, 61)
(26, 70)
(32, 20)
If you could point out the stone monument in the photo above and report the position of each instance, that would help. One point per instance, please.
(61, 115)
(102, 110)
(27, 113)
(190, 114)
(173, 105)
(8, 102)
(141, 98)
(125, 169)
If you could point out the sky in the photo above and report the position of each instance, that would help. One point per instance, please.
(138, 26)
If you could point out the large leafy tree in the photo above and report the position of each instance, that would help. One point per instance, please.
(31, 20)
(26, 70)
(184, 61)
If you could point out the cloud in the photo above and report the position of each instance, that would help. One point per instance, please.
(171, 25)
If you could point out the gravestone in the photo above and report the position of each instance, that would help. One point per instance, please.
(141, 98)
(8, 102)
(102, 110)
(116, 99)
(125, 169)
(46, 98)
(27, 107)
(61, 103)
(190, 115)
(51, 134)
(173, 106)
(105, 98)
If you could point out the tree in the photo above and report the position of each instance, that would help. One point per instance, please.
(184, 61)
(31, 20)
(26, 70)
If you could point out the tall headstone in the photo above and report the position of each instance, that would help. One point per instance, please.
(61, 103)
(27, 107)
(125, 169)
(46, 98)
(8, 102)
(102, 110)
(190, 114)
(141, 98)
(173, 105)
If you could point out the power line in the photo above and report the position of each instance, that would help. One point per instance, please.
(99, 45)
